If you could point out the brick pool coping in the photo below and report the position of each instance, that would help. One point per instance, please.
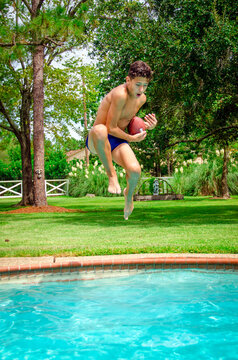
(13, 266)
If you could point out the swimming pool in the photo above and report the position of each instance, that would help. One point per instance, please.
(174, 314)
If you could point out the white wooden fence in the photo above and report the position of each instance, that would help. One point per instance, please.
(13, 188)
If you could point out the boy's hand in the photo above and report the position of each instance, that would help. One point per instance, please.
(138, 137)
(150, 121)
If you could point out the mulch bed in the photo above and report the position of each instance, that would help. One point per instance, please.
(41, 209)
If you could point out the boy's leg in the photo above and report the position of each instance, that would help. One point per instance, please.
(124, 156)
(98, 143)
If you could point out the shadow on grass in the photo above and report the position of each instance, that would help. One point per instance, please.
(142, 217)
(158, 217)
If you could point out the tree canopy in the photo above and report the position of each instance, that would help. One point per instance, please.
(192, 48)
(32, 36)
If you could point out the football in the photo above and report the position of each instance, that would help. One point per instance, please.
(136, 125)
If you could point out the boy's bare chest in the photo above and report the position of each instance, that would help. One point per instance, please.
(130, 109)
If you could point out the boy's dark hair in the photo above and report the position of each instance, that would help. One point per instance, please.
(140, 69)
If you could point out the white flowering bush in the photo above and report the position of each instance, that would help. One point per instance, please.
(205, 178)
(92, 180)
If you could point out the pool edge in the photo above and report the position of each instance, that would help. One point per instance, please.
(48, 265)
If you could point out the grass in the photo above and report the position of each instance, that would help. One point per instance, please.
(195, 225)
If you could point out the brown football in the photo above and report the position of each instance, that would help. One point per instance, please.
(136, 125)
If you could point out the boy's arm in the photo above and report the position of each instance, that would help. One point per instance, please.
(114, 114)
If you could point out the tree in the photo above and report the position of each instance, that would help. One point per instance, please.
(15, 107)
(33, 35)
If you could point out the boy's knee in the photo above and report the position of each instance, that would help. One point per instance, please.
(135, 170)
(100, 132)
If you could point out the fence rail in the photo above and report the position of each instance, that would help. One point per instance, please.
(13, 188)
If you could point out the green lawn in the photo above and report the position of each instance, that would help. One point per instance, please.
(196, 225)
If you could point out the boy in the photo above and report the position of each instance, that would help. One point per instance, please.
(108, 138)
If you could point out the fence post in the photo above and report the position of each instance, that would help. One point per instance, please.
(67, 187)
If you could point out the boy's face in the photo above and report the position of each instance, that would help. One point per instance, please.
(137, 86)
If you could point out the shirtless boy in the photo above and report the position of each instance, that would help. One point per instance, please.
(108, 138)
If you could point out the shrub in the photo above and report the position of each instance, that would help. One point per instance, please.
(10, 171)
(56, 166)
(204, 179)
(92, 180)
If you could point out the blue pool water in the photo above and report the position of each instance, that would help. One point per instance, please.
(158, 315)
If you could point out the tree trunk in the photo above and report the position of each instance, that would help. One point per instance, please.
(27, 183)
(23, 136)
(170, 162)
(25, 141)
(158, 166)
(85, 122)
(224, 186)
(38, 127)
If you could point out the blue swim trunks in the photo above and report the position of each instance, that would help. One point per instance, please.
(113, 140)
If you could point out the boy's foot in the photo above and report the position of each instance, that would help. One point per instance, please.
(129, 207)
(114, 187)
